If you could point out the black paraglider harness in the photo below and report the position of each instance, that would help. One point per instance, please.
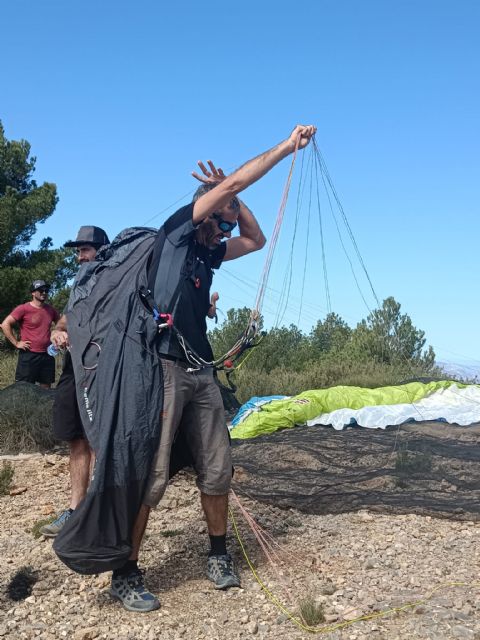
(249, 339)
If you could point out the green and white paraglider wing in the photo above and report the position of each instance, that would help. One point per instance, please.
(341, 406)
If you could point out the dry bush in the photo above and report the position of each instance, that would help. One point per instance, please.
(8, 364)
(311, 612)
(6, 477)
(25, 418)
(319, 375)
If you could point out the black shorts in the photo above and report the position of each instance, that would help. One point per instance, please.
(35, 367)
(67, 424)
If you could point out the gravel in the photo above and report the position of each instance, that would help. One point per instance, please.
(351, 564)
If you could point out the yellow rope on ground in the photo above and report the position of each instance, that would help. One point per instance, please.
(339, 625)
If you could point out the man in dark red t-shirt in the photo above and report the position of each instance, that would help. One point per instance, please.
(35, 320)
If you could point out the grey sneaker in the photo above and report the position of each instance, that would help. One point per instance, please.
(221, 572)
(132, 593)
(51, 530)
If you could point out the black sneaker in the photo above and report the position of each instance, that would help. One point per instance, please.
(131, 592)
(221, 572)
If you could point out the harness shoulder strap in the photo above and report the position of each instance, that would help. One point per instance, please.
(155, 258)
(184, 270)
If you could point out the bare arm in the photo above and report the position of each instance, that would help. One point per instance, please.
(7, 325)
(251, 237)
(59, 335)
(249, 173)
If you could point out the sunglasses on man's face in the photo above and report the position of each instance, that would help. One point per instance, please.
(42, 290)
(224, 225)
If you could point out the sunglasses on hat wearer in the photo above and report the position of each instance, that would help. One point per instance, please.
(223, 225)
(43, 290)
(78, 250)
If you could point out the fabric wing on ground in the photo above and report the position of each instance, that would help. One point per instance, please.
(377, 408)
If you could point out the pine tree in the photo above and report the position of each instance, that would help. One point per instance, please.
(23, 205)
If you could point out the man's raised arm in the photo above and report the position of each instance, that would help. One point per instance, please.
(249, 173)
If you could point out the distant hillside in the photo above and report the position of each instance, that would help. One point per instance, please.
(461, 371)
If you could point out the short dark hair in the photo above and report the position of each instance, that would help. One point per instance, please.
(202, 190)
(205, 188)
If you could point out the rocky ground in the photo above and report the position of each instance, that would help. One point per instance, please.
(354, 564)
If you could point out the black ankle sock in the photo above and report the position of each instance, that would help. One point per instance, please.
(128, 567)
(218, 545)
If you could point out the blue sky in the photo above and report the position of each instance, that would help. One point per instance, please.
(120, 99)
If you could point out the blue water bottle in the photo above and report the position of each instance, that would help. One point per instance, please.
(52, 350)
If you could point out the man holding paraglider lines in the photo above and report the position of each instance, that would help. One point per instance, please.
(198, 239)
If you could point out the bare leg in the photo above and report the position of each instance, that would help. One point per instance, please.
(215, 509)
(79, 470)
(138, 530)
(44, 386)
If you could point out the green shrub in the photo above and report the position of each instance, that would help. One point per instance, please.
(170, 533)
(311, 612)
(6, 477)
(39, 524)
(321, 374)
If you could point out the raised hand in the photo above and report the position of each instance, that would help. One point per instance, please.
(303, 133)
(212, 312)
(214, 176)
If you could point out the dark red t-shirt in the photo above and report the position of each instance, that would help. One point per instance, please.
(35, 324)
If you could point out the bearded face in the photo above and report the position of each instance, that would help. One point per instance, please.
(209, 233)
